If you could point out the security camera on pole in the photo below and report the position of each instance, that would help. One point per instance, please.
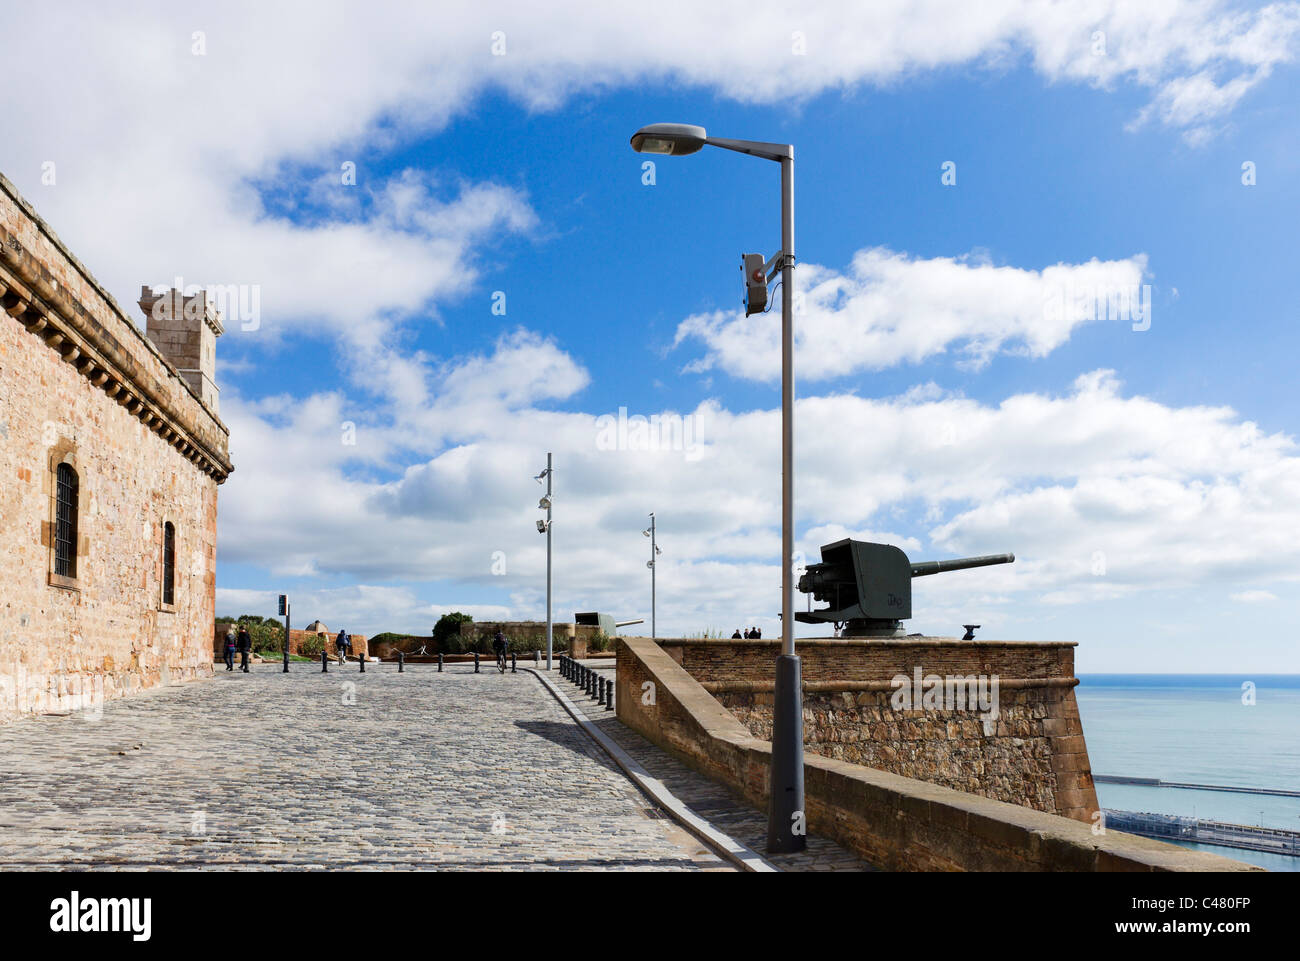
(544, 527)
(654, 552)
(786, 819)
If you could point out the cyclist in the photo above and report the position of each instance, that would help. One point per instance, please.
(500, 645)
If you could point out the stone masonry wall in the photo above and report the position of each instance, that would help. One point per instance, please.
(146, 454)
(1033, 754)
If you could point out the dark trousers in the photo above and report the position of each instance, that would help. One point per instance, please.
(230, 659)
(243, 661)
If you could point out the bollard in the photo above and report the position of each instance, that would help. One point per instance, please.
(512, 664)
(440, 662)
(600, 692)
(324, 663)
(591, 681)
(476, 662)
(401, 663)
(595, 685)
(537, 658)
(361, 659)
(609, 697)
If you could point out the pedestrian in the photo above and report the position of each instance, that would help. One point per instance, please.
(758, 633)
(342, 645)
(736, 636)
(245, 646)
(230, 647)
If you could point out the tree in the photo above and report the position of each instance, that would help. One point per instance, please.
(448, 627)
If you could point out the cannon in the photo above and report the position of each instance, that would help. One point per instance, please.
(868, 587)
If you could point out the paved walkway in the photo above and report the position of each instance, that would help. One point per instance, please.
(724, 809)
(378, 771)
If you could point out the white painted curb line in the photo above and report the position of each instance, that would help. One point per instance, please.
(653, 788)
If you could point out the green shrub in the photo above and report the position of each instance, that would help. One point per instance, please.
(311, 646)
(598, 642)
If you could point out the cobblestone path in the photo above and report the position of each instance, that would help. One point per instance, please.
(378, 771)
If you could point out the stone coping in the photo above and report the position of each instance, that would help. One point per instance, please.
(925, 640)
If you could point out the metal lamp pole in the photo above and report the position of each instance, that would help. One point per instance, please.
(549, 503)
(654, 549)
(786, 818)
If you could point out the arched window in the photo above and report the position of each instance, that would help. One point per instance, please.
(65, 522)
(169, 564)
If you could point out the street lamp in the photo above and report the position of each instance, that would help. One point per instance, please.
(786, 818)
(544, 527)
(654, 551)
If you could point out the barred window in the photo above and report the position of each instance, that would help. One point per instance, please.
(169, 564)
(65, 522)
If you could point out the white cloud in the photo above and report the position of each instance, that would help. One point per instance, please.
(889, 308)
(1253, 597)
(1102, 495)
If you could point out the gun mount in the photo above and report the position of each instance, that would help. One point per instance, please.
(869, 586)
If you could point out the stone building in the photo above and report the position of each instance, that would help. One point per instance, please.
(111, 452)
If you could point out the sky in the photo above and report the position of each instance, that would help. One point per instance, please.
(1046, 300)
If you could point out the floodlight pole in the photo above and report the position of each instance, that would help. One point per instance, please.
(549, 503)
(653, 568)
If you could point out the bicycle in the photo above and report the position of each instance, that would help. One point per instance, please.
(501, 661)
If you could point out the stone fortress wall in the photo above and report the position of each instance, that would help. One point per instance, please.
(1033, 753)
(81, 385)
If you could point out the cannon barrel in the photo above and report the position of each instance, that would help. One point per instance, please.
(923, 568)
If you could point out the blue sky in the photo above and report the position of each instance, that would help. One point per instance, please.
(475, 174)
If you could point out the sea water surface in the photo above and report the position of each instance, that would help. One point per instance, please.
(1204, 729)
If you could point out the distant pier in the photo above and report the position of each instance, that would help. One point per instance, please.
(1168, 827)
(1156, 782)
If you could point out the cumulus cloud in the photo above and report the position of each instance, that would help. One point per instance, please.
(889, 308)
(1102, 495)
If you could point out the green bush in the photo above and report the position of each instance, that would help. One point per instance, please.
(311, 646)
(447, 628)
(598, 642)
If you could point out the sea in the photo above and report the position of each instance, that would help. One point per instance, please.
(1237, 730)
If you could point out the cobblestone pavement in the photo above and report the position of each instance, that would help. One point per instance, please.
(266, 770)
(725, 810)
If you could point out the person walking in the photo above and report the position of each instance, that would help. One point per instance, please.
(230, 647)
(245, 646)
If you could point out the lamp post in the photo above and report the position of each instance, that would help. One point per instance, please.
(545, 527)
(786, 818)
(654, 550)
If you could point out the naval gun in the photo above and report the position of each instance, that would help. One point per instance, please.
(869, 586)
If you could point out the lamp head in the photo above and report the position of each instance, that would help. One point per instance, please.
(544, 503)
(675, 139)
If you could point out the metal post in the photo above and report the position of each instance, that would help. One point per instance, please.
(440, 662)
(537, 658)
(609, 696)
(786, 804)
(324, 662)
(476, 662)
(513, 669)
(401, 663)
(654, 567)
(549, 500)
(287, 609)
(361, 659)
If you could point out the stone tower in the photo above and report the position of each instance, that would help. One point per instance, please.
(185, 331)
